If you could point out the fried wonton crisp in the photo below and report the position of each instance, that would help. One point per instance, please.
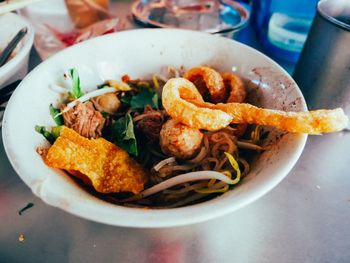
(109, 168)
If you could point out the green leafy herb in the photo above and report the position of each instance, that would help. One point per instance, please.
(76, 91)
(126, 99)
(50, 136)
(123, 129)
(143, 98)
(29, 205)
(54, 112)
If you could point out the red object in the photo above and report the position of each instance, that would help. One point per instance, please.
(125, 78)
(79, 35)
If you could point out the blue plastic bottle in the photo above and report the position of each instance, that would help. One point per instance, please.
(282, 26)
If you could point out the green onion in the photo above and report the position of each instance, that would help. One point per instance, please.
(48, 136)
(56, 131)
(76, 90)
(55, 113)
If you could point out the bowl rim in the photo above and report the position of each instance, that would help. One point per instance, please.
(140, 218)
(23, 51)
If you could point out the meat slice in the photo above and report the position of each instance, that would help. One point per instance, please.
(150, 123)
(85, 120)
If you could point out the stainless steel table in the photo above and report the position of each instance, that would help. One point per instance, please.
(304, 219)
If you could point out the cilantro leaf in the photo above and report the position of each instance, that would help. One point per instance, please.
(143, 98)
(76, 91)
(125, 138)
(126, 99)
(54, 112)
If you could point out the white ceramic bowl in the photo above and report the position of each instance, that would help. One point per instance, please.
(140, 53)
(17, 67)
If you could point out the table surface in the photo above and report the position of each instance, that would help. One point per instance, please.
(304, 219)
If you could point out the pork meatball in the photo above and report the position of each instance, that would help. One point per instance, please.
(107, 103)
(180, 140)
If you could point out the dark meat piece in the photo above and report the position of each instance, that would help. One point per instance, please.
(150, 123)
(85, 120)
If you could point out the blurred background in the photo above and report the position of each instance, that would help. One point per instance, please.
(277, 28)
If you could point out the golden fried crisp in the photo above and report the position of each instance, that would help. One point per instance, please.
(310, 122)
(184, 103)
(235, 86)
(212, 79)
(177, 97)
(109, 168)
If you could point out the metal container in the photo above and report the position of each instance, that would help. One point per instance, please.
(224, 17)
(323, 71)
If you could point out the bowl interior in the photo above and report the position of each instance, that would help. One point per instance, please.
(10, 24)
(140, 53)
